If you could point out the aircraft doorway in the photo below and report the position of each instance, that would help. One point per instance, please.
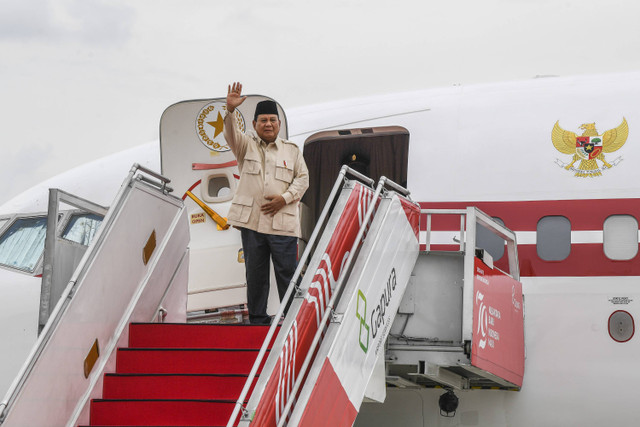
(374, 152)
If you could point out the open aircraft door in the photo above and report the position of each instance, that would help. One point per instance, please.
(204, 172)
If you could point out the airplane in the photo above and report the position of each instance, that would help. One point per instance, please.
(547, 168)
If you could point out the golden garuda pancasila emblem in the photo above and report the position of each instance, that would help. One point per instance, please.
(589, 147)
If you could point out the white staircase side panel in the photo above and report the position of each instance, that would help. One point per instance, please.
(112, 286)
(340, 374)
(376, 390)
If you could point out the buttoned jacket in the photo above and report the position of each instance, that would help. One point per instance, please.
(266, 169)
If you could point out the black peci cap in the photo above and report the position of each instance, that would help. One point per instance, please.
(266, 107)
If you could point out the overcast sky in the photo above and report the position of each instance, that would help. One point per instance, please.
(80, 79)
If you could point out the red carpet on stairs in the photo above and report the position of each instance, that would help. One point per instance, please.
(178, 375)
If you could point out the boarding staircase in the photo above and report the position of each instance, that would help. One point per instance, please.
(195, 374)
(178, 374)
(316, 366)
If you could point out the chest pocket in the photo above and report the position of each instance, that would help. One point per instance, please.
(284, 169)
(252, 164)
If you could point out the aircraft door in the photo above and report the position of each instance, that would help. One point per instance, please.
(374, 152)
(204, 172)
(67, 239)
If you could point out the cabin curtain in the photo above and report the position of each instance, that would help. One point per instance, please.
(23, 243)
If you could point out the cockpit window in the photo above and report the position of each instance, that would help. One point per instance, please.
(3, 222)
(23, 243)
(82, 228)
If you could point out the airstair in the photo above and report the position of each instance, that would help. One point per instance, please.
(364, 248)
(178, 374)
(135, 270)
(353, 326)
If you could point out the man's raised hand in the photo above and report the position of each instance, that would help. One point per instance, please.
(234, 96)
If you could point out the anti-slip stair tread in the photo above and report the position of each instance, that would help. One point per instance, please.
(174, 386)
(207, 361)
(116, 374)
(176, 335)
(178, 375)
(194, 412)
(186, 349)
(168, 400)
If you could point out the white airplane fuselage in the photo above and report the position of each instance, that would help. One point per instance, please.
(488, 146)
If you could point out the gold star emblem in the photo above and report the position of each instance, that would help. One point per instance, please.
(218, 125)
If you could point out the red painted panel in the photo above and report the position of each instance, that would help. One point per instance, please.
(498, 324)
(413, 215)
(329, 404)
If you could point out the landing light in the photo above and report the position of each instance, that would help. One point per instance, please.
(448, 403)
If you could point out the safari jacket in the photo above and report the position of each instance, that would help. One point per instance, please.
(266, 169)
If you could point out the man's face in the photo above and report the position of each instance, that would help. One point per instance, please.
(267, 127)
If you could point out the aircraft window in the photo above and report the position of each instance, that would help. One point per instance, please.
(620, 237)
(218, 187)
(554, 238)
(82, 228)
(23, 243)
(3, 222)
(489, 241)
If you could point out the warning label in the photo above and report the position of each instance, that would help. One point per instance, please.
(197, 218)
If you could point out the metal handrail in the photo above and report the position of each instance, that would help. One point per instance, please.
(475, 215)
(431, 212)
(337, 291)
(292, 284)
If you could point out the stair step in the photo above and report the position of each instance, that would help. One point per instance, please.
(182, 335)
(173, 386)
(160, 412)
(185, 361)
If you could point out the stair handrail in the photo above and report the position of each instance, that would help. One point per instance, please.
(469, 217)
(430, 212)
(344, 170)
(336, 293)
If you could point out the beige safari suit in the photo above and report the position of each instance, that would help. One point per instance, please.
(266, 169)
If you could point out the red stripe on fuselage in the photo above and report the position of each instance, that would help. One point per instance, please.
(524, 216)
(585, 259)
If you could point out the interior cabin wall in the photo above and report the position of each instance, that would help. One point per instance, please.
(374, 152)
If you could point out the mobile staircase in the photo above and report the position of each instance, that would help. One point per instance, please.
(322, 359)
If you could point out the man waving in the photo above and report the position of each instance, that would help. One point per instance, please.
(273, 178)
